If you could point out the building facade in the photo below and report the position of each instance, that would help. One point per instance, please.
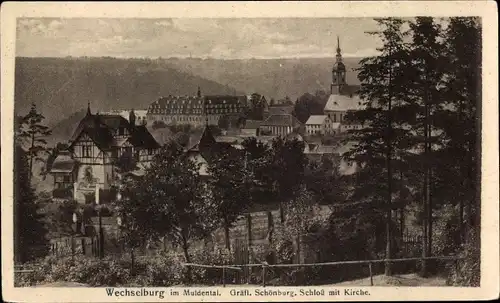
(195, 110)
(280, 125)
(320, 125)
(97, 147)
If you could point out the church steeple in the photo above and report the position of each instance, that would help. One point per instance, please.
(338, 72)
(88, 109)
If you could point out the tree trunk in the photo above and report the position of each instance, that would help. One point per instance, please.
(388, 247)
(426, 212)
(31, 157)
(226, 235)
(186, 255)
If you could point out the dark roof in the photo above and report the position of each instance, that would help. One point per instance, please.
(141, 137)
(252, 124)
(280, 109)
(281, 120)
(100, 129)
(63, 163)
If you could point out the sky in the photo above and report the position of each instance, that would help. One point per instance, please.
(221, 38)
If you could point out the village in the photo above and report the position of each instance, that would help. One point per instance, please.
(216, 189)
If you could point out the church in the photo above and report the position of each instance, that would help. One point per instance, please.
(339, 103)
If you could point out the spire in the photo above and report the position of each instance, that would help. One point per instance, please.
(88, 109)
(339, 51)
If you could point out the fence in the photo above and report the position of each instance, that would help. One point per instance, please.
(265, 266)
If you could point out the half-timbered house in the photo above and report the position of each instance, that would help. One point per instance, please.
(100, 145)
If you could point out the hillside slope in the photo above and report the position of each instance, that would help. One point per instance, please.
(273, 78)
(62, 86)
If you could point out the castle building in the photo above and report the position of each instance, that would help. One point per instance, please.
(195, 110)
(96, 147)
(339, 104)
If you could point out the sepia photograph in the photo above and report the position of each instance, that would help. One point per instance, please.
(231, 152)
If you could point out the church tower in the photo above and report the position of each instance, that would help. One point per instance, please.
(338, 72)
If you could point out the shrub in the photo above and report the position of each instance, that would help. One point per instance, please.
(466, 272)
(212, 275)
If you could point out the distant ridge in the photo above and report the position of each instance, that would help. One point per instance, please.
(63, 86)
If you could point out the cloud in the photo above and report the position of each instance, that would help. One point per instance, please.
(200, 37)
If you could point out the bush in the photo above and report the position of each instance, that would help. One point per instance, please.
(466, 272)
(212, 276)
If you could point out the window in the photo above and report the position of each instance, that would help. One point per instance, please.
(334, 117)
(86, 150)
(120, 131)
(66, 179)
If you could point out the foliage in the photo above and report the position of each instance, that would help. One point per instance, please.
(29, 228)
(256, 107)
(168, 200)
(32, 134)
(229, 187)
(223, 122)
(467, 271)
(309, 104)
(59, 217)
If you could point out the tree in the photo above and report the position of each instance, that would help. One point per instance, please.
(309, 104)
(425, 77)
(29, 228)
(382, 82)
(286, 165)
(229, 187)
(223, 122)
(33, 133)
(170, 199)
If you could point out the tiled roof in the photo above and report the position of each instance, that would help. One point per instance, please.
(141, 137)
(280, 109)
(63, 163)
(252, 124)
(99, 128)
(343, 103)
(316, 119)
(281, 120)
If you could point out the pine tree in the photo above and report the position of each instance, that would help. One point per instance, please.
(29, 228)
(33, 133)
(382, 82)
(425, 82)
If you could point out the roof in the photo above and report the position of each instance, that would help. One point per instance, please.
(343, 103)
(63, 163)
(280, 109)
(100, 129)
(252, 124)
(141, 137)
(281, 120)
(316, 119)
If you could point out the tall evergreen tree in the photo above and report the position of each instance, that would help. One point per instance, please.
(425, 82)
(29, 228)
(33, 133)
(382, 82)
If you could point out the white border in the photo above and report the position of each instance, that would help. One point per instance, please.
(490, 199)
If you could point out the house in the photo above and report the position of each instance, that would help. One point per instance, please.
(339, 104)
(251, 127)
(97, 147)
(320, 125)
(280, 125)
(196, 110)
